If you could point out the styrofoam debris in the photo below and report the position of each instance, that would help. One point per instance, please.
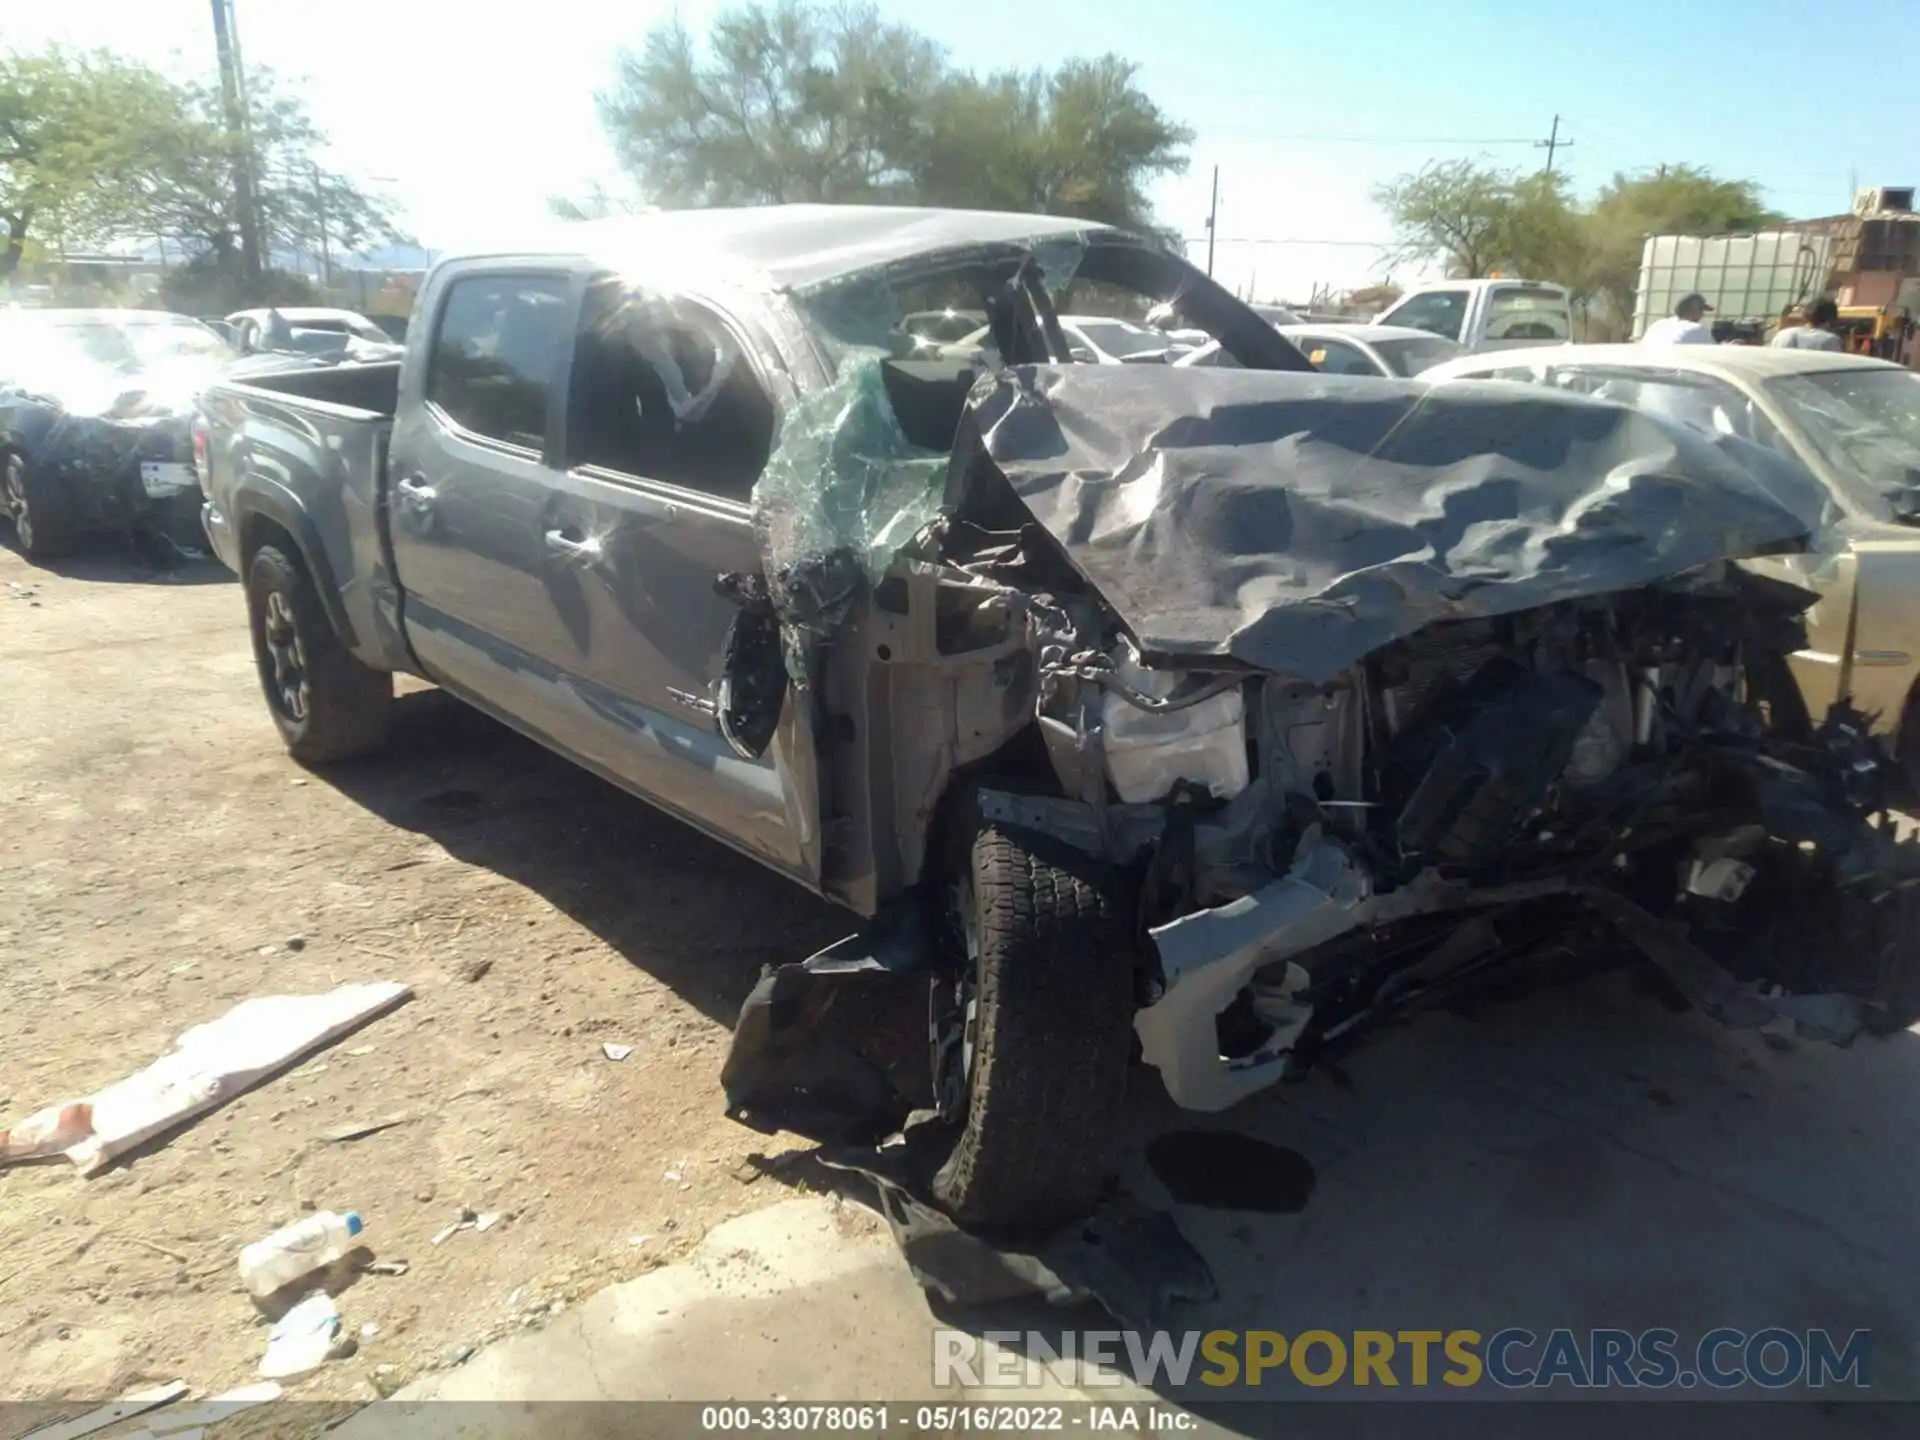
(209, 1065)
(302, 1338)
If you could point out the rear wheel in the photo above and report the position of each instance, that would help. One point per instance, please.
(1032, 1031)
(34, 504)
(327, 705)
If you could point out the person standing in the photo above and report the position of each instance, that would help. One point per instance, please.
(1684, 326)
(1821, 332)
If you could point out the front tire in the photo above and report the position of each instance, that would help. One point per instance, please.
(326, 703)
(1046, 1037)
(36, 506)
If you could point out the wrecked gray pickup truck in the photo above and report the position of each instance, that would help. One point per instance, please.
(1212, 716)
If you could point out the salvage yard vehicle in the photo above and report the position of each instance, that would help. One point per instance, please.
(1371, 349)
(1854, 423)
(1217, 714)
(1348, 349)
(1486, 314)
(1091, 340)
(250, 326)
(95, 408)
(925, 331)
(328, 337)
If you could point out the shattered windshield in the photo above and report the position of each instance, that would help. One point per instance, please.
(1864, 423)
(882, 432)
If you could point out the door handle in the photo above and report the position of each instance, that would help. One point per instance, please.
(573, 545)
(416, 491)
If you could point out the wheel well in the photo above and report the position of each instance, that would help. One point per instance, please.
(257, 530)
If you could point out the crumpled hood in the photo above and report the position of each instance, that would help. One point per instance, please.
(1298, 522)
(86, 388)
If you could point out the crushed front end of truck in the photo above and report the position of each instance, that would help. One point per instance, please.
(1348, 695)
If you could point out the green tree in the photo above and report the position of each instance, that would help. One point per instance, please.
(796, 101)
(1082, 140)
(1667, 200)
(186, 187)
(76, 127)
(1476, 219)
(597, 204)
(791, 102)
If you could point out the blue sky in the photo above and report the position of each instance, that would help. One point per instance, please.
(472, 123)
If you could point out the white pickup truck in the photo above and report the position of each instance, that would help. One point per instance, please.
(1486, 314)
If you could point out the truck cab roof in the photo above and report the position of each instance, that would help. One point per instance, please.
(789, 247)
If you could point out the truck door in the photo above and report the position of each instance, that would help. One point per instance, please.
(668, 426)
(470, 474)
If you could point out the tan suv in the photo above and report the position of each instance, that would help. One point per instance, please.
(1855, 424)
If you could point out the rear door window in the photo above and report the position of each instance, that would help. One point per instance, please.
(663, 391)
(1527, 312)
(496, 352)
(1439, 312)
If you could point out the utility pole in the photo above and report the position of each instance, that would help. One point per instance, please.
(1552, 143)
(320, 215)
(233, 98)
(1213, 214)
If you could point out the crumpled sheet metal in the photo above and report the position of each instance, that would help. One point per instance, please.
(1130, 1260)
(1297, 523)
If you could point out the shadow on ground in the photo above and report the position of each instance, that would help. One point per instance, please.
(693, 913)
(1579, 1158)
(116, 560)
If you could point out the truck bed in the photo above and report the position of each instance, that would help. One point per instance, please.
(299, 457)
(373, 390)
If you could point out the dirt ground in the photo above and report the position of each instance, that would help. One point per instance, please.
(161, 859)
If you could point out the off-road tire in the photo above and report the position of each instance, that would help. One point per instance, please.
(349, 705)
(48, 531)
(1054, 986)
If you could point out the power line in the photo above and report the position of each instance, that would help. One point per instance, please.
(1397, 139)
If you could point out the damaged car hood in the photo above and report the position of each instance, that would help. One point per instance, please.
(1296, 523)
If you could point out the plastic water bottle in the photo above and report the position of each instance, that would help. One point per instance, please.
(296, 1249)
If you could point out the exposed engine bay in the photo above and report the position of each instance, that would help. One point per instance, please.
(1316, 858)
(1365, 692)
(1214, 717)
